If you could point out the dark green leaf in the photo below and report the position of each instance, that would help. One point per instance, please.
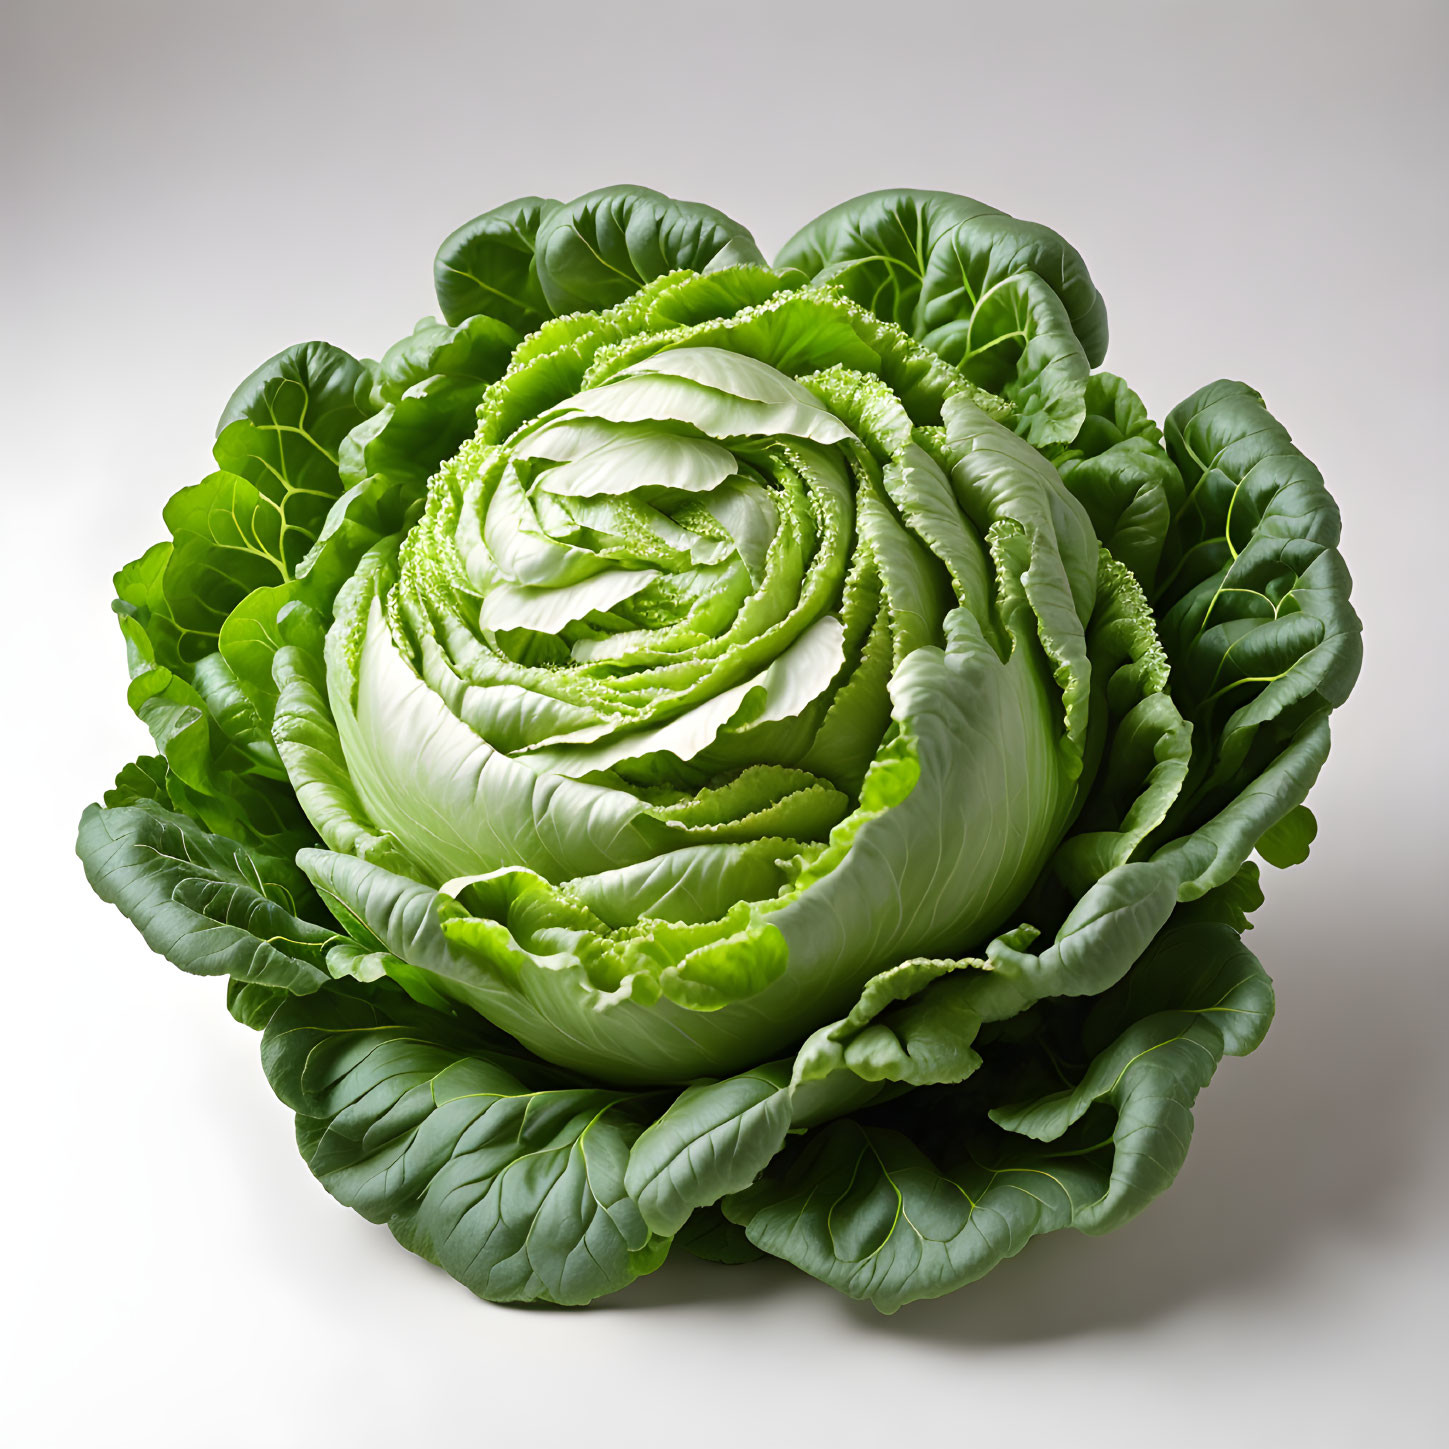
(283, 428)
(517, 1190)
(602, 247)
(1119, 471)
(1287, 842)
(866, 1211)
(1198, 995)
(713, 1237)
(712, 1140)
(487, 267)
(210, 905)
(253, 1005)
(1009, 302)
(869, 1212)
(1254, 612)
(1254, 592)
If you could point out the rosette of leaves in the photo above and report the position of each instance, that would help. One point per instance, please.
(762, 756)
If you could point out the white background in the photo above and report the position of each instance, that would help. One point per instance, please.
(1259, 191)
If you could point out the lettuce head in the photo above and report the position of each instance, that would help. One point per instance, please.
(762, 756)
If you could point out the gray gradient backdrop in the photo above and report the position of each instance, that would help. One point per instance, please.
(1259, 192)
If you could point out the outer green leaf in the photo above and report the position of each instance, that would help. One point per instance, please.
(910, 1026)
(1230, 904)
(913, 1023)
(1287, 842)
(516, 1192)
(226, 777)
(251, 523)
(1008, 302)
(1207, 996)
(242, 532)
(230, 538)
(430, 385)
(210, 905)
(284, 426)
(867, 1212)
(487, 266)
(477, 349)
(371, 511)
(1255, 592)
(254, 1005)
(713, 1237)
(599, 249)
(1200, 967)
(872, 1214)
(1119, 471)
(712, 1140)
(1213, 853)
(142, 780)
(1256, 620)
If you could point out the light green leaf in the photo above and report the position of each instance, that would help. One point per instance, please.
(241, 533)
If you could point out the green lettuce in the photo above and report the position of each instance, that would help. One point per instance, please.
(762, 757)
